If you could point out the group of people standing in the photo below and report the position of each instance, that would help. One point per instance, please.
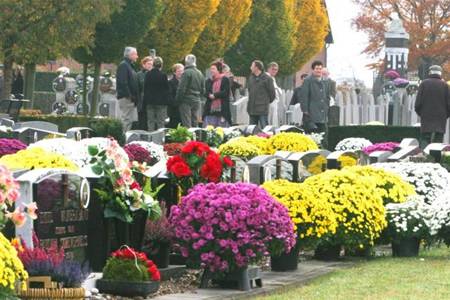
(149, 97)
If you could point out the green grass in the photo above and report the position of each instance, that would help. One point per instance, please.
(425, 277)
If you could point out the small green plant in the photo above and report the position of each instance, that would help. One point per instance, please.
(180, 135)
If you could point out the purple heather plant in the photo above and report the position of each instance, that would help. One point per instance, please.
(10, 146)
(225, 226)
(139, 154)
(388, 146)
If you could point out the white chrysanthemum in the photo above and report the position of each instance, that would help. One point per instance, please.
(352, 144)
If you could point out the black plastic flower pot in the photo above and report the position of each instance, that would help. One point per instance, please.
(285, 261)
(127, 288)
(327, 252)
(161, 257)
(405, 247)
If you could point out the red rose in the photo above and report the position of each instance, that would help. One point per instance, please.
(212, 168)
(181, 169)
(173, 160)
(227, 161)
(198, 148)
(135, 185)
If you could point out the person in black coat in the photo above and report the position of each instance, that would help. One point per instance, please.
(433, 107)
(127, 87)
(156, 95)
(172, 109)
(217, 107)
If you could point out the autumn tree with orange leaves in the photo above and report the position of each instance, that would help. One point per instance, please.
(426, 21)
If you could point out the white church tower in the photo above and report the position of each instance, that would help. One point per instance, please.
(396, 49)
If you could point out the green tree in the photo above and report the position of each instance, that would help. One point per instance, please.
(127, 27)
(177, 31)
(312, 27)
(222, 30)
(268, 36)
(33, 31)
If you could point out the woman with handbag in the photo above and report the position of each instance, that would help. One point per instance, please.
(217, 107)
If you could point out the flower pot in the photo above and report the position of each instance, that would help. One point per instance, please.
(327, 252)
(241, 279)
(405, 247)
(161, 257)
(285, 261)
(127, 288)
(358, 252)
(137, 229)
(65, 293)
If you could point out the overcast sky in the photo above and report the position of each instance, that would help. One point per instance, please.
(344, 56)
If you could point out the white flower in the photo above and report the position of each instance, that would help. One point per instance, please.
(353, 144)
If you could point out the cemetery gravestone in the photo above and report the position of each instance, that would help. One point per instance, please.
(435, 150)
(340, 159)
(258, 170)
(62, 198)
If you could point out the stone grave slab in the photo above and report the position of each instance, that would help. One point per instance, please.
(379, 156)
(404, 152)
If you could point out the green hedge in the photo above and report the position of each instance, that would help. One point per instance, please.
(102, 127)
(376, 134)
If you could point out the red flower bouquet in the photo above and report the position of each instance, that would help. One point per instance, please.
(197, 163)
(128, 264)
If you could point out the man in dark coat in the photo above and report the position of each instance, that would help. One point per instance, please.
(128, 88)
(261, 92)
(296, 95)
(172, 109)
(190, 92)
(315, 100)
(433, 107)
(156, 95)
(146, 65)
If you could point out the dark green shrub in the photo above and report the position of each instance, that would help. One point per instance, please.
(376, 134)
(103, 127)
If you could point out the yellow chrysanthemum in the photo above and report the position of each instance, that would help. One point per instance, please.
(36, 158)
(347, 161)
(11, 268)
(356, 202)
(290, 141)
(312, 217)
(391, 186)
(239, 149)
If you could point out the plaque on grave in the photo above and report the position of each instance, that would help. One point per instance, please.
(103, 109)
(80, 110)
(408, 142)
(59, 108)
(106, 84)
(62, 198)
(158, 136)
(31, 135)
(269, 129)
(199, 134)
(59, 84)
(71, 97)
